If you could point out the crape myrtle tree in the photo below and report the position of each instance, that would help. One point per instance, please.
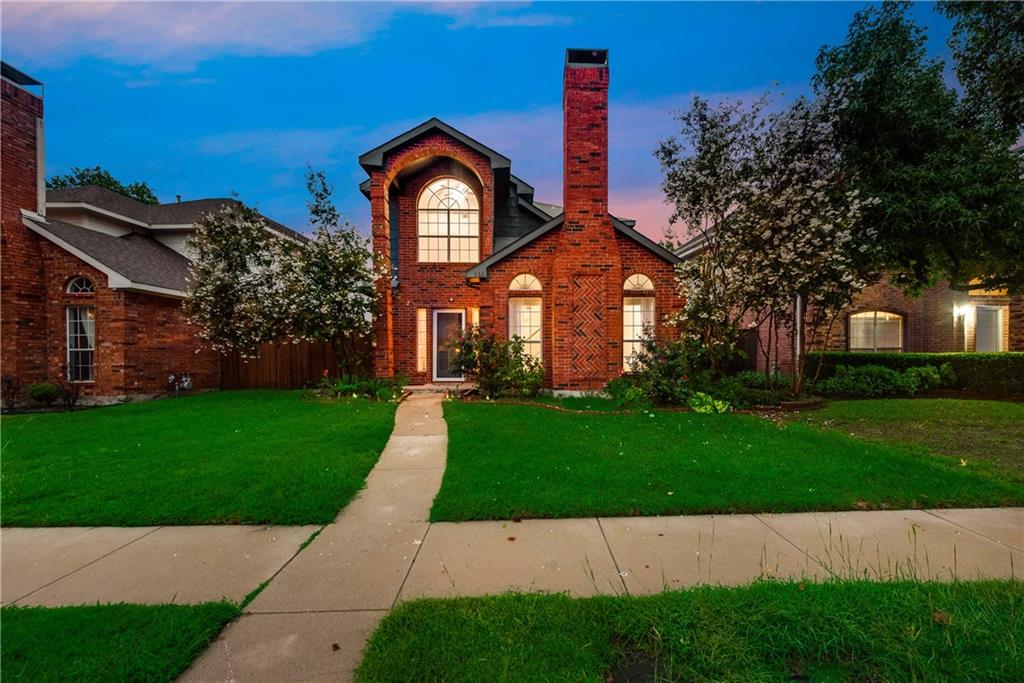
(330, 294)
(941, 163)
(250, 286)
(782, 224)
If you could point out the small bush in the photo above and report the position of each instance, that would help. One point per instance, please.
(43, 393)
(869, 381)
(375, 389)
(996, 374)
(928, 376)
(500, 367)
(10, 389)
(754, 379)
(626, 393)
(702, 403)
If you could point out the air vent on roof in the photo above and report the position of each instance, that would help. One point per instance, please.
(580, 57)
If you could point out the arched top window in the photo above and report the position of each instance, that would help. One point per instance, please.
(873, 331)
(638, 282)
(80, 285)
(448, 222)
(525, 282)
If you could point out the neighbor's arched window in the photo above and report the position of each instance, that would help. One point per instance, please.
(81, 285)
(637, 316)
(524, 313)
(876, 331)
(449, 223)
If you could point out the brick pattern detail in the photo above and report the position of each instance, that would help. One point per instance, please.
(589, 331)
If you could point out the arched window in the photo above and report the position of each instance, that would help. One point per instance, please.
(873, 331)
(449, 223)
(637, 316)
(525, 313)
(81, 285)
(638, 282)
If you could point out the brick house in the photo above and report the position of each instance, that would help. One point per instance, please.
(468, 244)
(884, 319)
(92, 281)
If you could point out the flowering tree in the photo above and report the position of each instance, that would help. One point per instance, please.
(330, 294)
(251, 287)
(235, 280)
(782, 225)
(708, 170)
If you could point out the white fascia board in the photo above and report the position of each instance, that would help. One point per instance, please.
(115, 280)
(96, 209)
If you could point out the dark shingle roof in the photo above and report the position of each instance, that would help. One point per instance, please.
(139, 258)
(176, 213)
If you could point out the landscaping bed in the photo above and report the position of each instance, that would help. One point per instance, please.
(764, 632)
(513, 461)
(244, 457)
(108, 642)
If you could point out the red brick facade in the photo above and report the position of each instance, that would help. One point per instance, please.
(140, 338)
(581, 264)
(940, 320)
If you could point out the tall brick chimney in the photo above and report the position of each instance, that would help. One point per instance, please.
(587, 275)
(585, 138)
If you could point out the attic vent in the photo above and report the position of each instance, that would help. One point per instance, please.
(580, 57)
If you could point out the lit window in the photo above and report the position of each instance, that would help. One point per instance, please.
(421, 340)
(474, 317)
(81, 285)
(525, 282)
(637, 323)
(524, 321)
(449, 223)
(876, 331)
(81, 339)
(638, 282)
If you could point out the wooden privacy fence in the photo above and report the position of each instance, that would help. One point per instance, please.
(281, 366)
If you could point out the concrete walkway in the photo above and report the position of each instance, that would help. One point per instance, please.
(312, 621)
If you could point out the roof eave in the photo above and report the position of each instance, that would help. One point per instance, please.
(115, 279)
(374, 159)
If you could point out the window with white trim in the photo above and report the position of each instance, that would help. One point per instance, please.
(524, 322)
(873, 331)
(80, 285)
(448, 223)
(81, 343)
(638, 282)
(637, 323)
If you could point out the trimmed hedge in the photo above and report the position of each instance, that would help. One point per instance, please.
(998, 374)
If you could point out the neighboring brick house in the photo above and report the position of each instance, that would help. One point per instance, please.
(92, 282)
(883, 318)
(468, 244)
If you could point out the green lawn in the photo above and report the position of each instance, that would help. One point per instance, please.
(107, 642)
(508, 461)
(974, 430)
(254, 457)
(764, 632)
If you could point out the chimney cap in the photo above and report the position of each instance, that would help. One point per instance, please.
(576, 56)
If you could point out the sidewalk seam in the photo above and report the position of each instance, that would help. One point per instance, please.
(91, 562)
(802, 551)
(975, 532)
(411, 564)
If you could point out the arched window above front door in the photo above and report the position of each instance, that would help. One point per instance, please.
(448, 223)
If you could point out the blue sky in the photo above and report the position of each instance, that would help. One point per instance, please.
(206, 99)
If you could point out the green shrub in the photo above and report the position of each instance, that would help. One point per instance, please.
(500, 367)
(668, 372)
(43, 393)
(626, 393)
(928, 376)
(996, 374)
(754, 379)
(869, 381)
(703, 403)
(377, 388)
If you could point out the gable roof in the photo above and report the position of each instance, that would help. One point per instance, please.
(375, 157)
(149, 215)
(480, 269)
(132, 261)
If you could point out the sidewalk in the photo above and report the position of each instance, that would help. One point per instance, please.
(312, 621)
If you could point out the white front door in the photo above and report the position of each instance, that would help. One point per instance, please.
(446, 324)
(988, 329)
